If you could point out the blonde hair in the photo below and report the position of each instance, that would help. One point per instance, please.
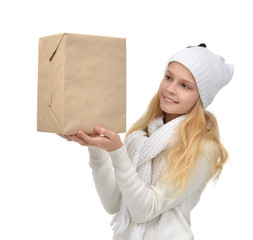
(198, 128)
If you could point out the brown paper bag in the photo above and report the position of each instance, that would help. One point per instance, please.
(81, 83)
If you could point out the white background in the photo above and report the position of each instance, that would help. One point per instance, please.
(46, 186)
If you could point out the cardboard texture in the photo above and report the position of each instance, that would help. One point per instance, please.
(81, 83)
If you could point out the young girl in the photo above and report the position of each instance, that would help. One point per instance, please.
(153, 181)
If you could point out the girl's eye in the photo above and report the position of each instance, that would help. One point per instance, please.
(185, 86)
(168, 77)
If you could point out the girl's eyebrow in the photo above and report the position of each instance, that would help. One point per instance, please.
(185, 80)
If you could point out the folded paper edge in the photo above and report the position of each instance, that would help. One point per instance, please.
(57, 122)
(52, 56)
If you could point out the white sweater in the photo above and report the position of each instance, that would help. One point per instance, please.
(114, 177)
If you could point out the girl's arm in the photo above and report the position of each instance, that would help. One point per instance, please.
(104, 179)
(145, 203)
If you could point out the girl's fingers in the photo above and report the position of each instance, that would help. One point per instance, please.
(79, 140)
(76, 138)
(107, 133)
(65, 137)
(103, 138)
(94, 139)
(88, 139)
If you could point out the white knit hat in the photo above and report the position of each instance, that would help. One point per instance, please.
(210, 71)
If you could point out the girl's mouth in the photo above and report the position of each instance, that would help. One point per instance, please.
(169, 100)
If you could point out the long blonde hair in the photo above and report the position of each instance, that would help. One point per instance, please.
(198, 128)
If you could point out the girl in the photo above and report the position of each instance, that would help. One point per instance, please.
(153, 181)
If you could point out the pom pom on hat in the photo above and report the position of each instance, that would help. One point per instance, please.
(210, 71)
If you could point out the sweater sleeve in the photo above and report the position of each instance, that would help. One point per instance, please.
(104, 179)
(147, 202)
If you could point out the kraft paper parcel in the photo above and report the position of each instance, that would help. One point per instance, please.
(81, 83)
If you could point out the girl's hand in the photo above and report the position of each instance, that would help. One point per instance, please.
(105, 139)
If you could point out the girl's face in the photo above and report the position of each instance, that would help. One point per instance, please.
(178, 91)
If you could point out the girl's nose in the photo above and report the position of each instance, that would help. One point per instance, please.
(171, 88)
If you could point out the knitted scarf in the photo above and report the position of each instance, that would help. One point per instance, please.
(141, 150)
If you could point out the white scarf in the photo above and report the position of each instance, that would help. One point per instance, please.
(141, 150)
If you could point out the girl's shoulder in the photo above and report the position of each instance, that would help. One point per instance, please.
(210, 149)
(208, 158)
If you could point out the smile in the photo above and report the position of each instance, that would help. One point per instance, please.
(169, 100)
